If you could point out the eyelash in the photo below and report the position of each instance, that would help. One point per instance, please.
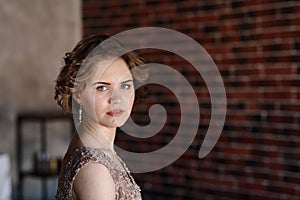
(128, 86)
(100, 88)
(104, 88)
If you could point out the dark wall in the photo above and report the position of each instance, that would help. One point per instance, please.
(256, 46)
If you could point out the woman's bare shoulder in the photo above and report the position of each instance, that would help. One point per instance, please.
(94, 181)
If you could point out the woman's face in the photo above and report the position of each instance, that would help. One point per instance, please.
(109, 95)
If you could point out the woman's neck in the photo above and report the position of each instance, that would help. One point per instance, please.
(96, 135)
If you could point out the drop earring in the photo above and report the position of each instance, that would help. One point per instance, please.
(80, 113)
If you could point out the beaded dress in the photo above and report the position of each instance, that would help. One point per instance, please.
(125, 186)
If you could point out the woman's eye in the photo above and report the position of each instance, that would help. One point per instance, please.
(102, 88)
(125, 86)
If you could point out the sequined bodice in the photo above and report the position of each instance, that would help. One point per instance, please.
(125, 186)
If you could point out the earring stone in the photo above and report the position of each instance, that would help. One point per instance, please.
(80, 114)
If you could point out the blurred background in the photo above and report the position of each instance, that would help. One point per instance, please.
(34, 37)
(256, 46)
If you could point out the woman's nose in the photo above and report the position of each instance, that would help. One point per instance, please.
(115, 98)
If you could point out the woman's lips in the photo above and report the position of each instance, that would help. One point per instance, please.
(115, 113)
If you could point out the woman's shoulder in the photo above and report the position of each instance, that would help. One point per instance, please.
(85, 164)
(96, 180)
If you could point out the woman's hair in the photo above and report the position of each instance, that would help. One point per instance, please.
(80, 63)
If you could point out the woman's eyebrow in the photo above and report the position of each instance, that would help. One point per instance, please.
(106, 83)
(100, 82)
(130, 80)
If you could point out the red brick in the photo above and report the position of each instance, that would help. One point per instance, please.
(238, 150)
(295, 107)
(277, 47)
(296, 21)
(253, 185)
(279, 23)
(215, 180)
(251, 71)
(282, 188)
(270, 70)
(253, 95)
(278, 95)
(213, 17)
(245, 49)
(290, 33)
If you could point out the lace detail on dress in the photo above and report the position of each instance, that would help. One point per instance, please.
(125, 186)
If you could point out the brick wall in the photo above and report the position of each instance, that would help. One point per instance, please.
(256, 46)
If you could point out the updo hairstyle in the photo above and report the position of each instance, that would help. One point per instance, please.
(69, 81)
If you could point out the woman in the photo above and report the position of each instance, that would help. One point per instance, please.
(98, 87)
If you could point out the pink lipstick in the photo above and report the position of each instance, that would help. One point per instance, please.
(115, 113)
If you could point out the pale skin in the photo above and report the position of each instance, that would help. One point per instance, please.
(107, 102)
